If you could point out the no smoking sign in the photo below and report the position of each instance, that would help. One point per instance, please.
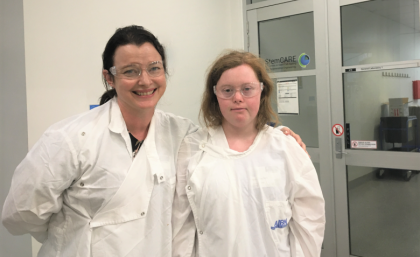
(337, 130)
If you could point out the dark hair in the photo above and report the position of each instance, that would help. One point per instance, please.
(210, 110)
(135, 35)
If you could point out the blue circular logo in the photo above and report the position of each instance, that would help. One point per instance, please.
(304, 60)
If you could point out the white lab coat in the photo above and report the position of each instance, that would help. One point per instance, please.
(80, 192)
(265, 201)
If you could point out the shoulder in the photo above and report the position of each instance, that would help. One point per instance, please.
(170, 117)
(174, 123)
(286, 150)
(189, 150)
(275, 134)
(82, 120)
(192, 141)
(87, 123)
(287, 145)
(202, 134)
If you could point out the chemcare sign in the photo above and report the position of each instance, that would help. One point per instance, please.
(288, 63)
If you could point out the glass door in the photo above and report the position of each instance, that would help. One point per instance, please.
(374, 68)
(291, 37)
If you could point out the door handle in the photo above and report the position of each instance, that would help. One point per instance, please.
(339, 148)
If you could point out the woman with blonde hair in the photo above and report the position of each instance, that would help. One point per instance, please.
(244, 188)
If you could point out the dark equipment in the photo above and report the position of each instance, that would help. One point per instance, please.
(403, 131)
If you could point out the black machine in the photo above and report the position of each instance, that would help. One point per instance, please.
(403, 134)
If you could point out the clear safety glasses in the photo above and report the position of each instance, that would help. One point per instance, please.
(154, 69)
(247, 90)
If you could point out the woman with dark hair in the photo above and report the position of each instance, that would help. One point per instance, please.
(102, 183)
(243, 188)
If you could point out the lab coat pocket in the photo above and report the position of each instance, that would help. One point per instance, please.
(278, 215)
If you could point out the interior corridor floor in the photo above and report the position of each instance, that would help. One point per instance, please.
(385, 217)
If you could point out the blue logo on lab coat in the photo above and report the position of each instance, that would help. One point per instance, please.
(279, 224)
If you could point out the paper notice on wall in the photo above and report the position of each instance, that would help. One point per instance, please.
(287, 97)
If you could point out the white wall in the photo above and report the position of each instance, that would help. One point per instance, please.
(64, 41)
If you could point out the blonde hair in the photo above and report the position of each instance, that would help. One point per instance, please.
(210, 111)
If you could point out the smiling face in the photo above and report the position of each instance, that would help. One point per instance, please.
(239, 112)
(143, 93)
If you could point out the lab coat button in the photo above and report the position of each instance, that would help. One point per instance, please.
(83, 133)
(189, 187)
(142, 214)
(82, 184)
(161, 177)
(201, 232)
(203, 145)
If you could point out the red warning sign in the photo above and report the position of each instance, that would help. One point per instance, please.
(337, 130)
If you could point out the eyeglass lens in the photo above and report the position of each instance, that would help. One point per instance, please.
(154, 69)
(247, 90)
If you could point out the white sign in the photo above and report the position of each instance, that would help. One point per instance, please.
(287, 97)
(370, 68)
(359, 144)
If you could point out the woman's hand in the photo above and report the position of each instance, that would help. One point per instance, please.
(288, 131)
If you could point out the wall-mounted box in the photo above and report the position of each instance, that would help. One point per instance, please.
(398, 107)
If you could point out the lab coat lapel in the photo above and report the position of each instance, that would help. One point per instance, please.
(117, 123)
(132, 199)
(218, 145)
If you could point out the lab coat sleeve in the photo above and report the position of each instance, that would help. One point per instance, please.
(308, 213)
(183, 225)
(37, 185)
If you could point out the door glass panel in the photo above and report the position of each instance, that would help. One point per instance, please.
(380, 31)
(287, 43)
(383, 212)
(372, 100)
(306, 122)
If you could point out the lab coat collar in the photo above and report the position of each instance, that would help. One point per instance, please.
(151, 152)
(218, 144)
(116, 123)
(218, 137)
